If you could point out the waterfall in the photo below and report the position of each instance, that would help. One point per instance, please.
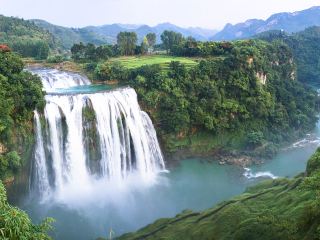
(93, 136)
(54, 79)
(40, 172)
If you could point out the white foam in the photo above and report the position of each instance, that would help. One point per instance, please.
(250, 175)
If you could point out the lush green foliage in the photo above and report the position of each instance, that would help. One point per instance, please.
(224, 93)
(20, 93)
(152, 39)
(306, 50)
(127, 42)
(274, 209)
(91, 53)
(15, 224)
(244, 87)
(171, 39)
(25, 37)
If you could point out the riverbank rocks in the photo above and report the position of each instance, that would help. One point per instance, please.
(237, 159)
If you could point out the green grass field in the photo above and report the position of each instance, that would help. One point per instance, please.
(163, 60)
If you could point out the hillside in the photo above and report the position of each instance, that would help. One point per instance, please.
(111, 31)
(26, 38)
(289, 22)
(68, 36)
(108, 33)
(274, 209)
(305, 48)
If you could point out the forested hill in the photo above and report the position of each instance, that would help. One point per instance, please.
(306, 50)
(108, 33)
(68, 36)
(286, 209)
(26, 38)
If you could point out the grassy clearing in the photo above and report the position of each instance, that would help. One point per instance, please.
(132, 62)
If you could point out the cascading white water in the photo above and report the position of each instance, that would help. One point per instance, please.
(119, 133)
(54, 79)
(41, 173)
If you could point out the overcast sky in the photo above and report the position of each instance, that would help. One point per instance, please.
(213, 14)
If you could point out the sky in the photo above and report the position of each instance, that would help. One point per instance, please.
(212, 14)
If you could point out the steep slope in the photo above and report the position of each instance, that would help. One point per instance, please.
(305, 48)
(25, 37)
(289, 22)
(274, 209)
(68, 36)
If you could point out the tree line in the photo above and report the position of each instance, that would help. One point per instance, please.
(126, 45)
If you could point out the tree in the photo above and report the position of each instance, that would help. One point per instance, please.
(78, 51)
(144, 46)
(152, 39)
(171, 39)
(127, 42)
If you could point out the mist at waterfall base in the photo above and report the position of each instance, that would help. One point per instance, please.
(93, 201)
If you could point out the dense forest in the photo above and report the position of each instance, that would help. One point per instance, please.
(20, 93)
(244, 90)
(26, 38)
(306, 50)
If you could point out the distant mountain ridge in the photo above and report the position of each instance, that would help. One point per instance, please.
(108, 33)
(289, 22)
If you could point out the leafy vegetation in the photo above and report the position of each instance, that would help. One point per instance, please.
(89, 52)
(25, 38)
(305, 48)
(127, 42)
(15, 224)
(247, 88)
(273, 209)
(20, 93)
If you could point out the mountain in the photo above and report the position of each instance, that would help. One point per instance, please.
(68, 36)
(108, 33)
(111, 31)
(289, 22)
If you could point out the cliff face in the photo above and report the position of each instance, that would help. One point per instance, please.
(274, 209)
